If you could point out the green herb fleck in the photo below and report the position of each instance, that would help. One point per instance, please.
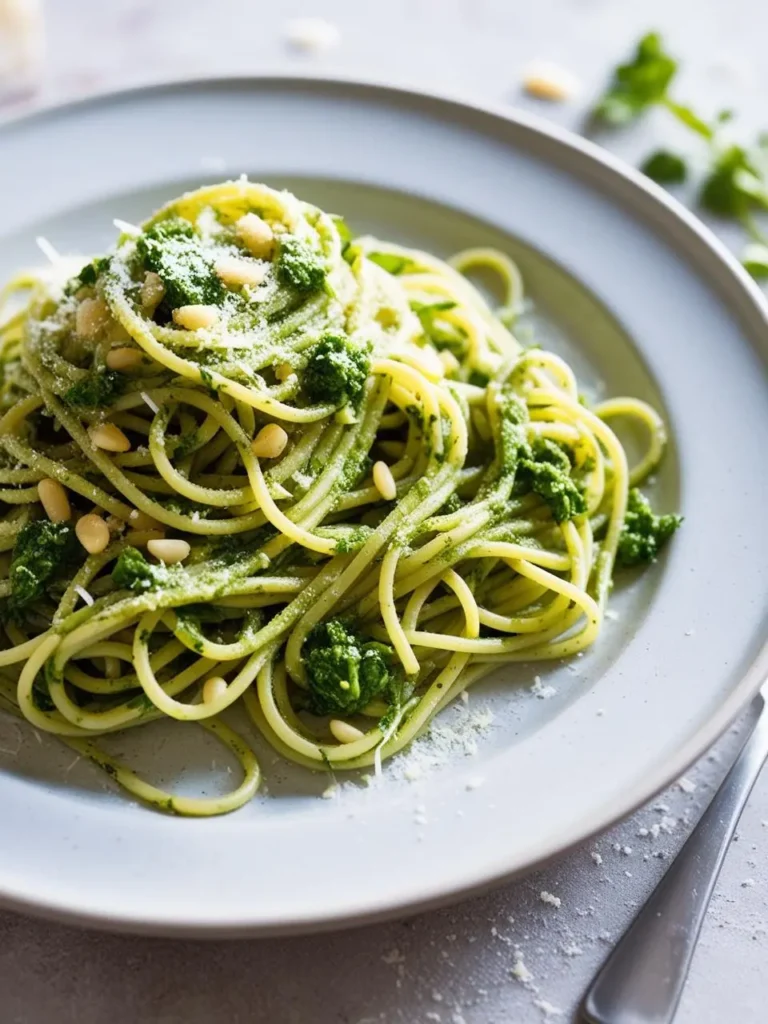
(640, 83)
(391, 262)
(665, 167)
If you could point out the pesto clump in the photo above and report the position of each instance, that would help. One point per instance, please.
(644, 533)
(336, 371)
(43, 551)
(344, 671)
(298, 266)
(547, 472)
(171, 249)
(96, 389)
(133, 572)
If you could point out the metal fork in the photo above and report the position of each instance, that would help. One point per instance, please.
(642, 980)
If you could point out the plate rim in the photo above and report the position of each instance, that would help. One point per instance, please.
(747, 302)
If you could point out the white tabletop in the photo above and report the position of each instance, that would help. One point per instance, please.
(453, 966)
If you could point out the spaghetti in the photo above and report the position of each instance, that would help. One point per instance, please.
(248, 459)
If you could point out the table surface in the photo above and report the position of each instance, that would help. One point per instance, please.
(452, 966)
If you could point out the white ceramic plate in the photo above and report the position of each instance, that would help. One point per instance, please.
(640, 297)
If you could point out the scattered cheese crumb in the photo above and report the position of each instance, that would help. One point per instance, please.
(547, 81)
(521, 972)
(330, 792)
(667, 824)
(312, 35)
(547, 1008)
(643, 832)
(548, 897)
(747, 883)
(541, 691)
(572, 950)
(413, 772)
(686, 785)
(596, 857)
(627, 851)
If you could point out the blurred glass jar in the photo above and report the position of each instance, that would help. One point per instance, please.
(22, 47)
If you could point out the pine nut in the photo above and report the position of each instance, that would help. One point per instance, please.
(54, 500)
(450, 363)
(152, 292)
(549, 82)
(214, 688)
(283, 371)
(384, 482)
(269, 442)
(110, 438)
(344, 732)
(91, 316)
(257, 235)
(93, 533)
(124, 359)
(169, 551)
(234, 272)
(195, 318)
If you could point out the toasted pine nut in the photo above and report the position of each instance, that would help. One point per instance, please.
(344, 732)
(109, 437)
(140, 538)
(283, 371)
(124, 359)
(214, 688)
(93, 533)
(450, 363)
(169, 551)
(141, 521)
(152, 292)
(235, 272)
(269, 442)
(549, 82)
(195, 318)
(92, 315)
(257, 235)
(54, 500)
(384, 482)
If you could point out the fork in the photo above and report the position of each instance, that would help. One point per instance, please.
(642, 980)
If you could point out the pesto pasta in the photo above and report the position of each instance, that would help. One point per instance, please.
(248, 459)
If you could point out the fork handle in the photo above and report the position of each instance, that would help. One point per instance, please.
(642, 980)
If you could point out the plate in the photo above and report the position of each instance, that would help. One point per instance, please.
(643, 300)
